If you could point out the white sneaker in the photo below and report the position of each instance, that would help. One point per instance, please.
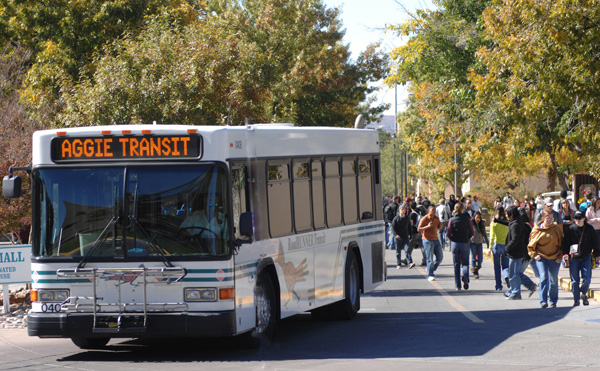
(431, 278)
(398, 267)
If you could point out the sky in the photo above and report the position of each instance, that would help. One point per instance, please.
(365, 21)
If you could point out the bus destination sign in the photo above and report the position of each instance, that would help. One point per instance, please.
(127, 147)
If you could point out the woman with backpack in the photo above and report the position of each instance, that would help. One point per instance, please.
(498, 232)
(476, 244)
(516, 250)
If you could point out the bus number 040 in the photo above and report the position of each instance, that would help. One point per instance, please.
(50, 307)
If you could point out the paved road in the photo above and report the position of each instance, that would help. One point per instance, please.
(408, 323)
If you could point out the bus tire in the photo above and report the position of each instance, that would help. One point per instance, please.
(266, 313)
(90, 343)
(350, 305)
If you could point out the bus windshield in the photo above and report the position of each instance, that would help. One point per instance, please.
(134, 213)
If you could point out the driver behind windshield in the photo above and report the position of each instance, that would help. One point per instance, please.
(203, 221)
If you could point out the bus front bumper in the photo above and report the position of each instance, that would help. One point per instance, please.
(194, 324)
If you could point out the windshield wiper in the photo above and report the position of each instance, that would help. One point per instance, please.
(111, 223)
(98, 241)
(149, 239)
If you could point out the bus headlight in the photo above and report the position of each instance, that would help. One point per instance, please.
(200, 294)
(47, 296)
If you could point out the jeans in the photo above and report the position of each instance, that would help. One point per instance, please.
(434, 254)
(516, 277)
(534, 268)
(584, 266)
(500, 264)
(442, 236)
(460, 258)
(417, 243)
(403, 244)
(548, 280)
(391, 237)
(476, 254)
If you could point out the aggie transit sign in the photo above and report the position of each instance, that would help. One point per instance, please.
(15, 264)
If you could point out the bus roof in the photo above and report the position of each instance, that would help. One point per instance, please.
(220, 143)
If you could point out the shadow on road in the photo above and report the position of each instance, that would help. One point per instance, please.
(371, 335)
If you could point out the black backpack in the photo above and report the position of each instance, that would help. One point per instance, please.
(388, 212)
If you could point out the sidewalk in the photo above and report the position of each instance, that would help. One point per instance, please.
(564, 281)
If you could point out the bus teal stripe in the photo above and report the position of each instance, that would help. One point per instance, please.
(45, 273)
(210, 271)
(207, 279)
(63, 281)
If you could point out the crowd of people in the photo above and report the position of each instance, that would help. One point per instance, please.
(539, 233)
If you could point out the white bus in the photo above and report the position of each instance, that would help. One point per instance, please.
(200, 231)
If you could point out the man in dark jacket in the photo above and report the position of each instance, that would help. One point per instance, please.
(516, 250)
(459, 232)
(580, 241)
(402, 230)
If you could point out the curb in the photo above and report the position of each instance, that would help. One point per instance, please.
(563, 283)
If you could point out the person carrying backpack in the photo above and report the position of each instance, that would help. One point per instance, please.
(517, 239)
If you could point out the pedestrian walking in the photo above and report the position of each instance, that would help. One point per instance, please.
(428, 227)
(517, 253)
(443, 212)
(498, 232)
(451, 203)
(545, 246)
(476, 244)
(508, 200)
(549, 205)
(593, 215)
(581, 241)
(402, 231)
(460, 231)
(476, 204)
(416, 241)
(529, 225)
(389, 213)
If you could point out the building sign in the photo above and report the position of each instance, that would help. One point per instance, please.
(126, 147)
(15, 264)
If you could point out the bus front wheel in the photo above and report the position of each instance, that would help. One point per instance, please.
(266, 313)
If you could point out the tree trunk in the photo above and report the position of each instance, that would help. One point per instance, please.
(560, 176)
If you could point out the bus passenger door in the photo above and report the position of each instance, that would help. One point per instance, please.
(245, 265)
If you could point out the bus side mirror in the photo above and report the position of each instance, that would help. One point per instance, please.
(247, 224)
(11, 186)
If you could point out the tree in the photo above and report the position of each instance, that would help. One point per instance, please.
(66, 36)
(438, 58)
(15, 136)
(540, 81)
(279, 61)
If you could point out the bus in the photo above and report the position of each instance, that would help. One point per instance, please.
(199, 231)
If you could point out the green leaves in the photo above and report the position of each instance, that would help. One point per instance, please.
(176, 61)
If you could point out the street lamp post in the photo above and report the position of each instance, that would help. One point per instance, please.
(395, 176)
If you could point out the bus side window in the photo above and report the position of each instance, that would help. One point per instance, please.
(239, 192)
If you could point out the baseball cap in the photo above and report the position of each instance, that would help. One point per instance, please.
(548, 201)
(563, 194)
(579, 215)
